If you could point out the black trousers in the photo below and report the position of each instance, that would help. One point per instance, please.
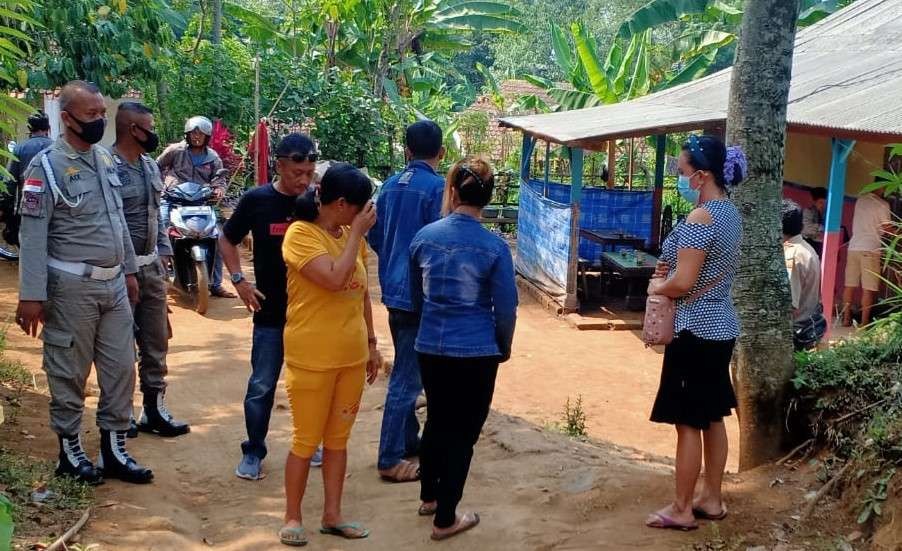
(458, 395)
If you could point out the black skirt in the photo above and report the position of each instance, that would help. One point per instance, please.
(695, 387)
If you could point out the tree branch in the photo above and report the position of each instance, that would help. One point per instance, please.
(795, 450)
(61, 543)
(822, 492)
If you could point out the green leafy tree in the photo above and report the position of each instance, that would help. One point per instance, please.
(530, 51)
(202, 78)
(112, 44)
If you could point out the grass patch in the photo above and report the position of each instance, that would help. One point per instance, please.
(12, 373)
(14, 376)
(20, 476)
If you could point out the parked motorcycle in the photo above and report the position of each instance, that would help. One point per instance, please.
(194, 234)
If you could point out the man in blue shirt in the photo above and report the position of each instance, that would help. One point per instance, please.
(38, 140)
(407, 202)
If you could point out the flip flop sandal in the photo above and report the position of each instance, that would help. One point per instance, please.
(427, 510)
(464, 526)
(342, 531)
(295, 537)
(402, 468)
(666, 523)
(705, 515)
(219, 292)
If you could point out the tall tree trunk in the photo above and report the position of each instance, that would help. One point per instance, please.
(216, 35)
(162, 112)
(757, 121)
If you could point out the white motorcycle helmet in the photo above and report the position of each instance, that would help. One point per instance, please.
(199, 123)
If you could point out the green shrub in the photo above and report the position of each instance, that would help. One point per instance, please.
(851, 393)
(574, 418)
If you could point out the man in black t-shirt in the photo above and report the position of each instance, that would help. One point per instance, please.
(265, 212)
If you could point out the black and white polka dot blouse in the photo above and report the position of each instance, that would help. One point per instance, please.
(712, 315)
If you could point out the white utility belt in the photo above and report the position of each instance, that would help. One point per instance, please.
(146, 260)
(85, 270)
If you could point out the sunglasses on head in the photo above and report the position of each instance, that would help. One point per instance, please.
(299, 158)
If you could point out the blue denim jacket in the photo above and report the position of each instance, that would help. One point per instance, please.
(408, 201)
(462, 278)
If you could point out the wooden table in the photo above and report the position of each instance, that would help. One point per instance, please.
(634, 272)
(610, 239)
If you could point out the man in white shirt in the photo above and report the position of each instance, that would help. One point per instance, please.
(872, 218)
(804, 270)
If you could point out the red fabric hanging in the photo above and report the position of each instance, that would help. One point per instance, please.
(259, 149)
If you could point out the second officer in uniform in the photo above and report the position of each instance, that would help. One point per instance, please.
(77, 277)
(140, 192)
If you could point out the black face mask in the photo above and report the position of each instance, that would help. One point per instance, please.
(91, 132)
(152, 142)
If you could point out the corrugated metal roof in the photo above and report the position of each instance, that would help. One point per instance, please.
(847, 82)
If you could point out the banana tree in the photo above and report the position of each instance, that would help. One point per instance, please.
(706, 27)
(623, 74)
(389, 41)
(15, 46)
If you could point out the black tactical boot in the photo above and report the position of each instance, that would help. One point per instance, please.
(156, 418)
(115, 462)
(132, 427)
(74, 462)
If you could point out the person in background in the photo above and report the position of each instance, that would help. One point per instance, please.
(140, 193)
(266, 212)
(698, 264)
(462, 277)
(804, 270)
(38, 140)
(77, 277)
(813, 220)
(192, 160)
(408, 201)
(330, 343)
(871, 219)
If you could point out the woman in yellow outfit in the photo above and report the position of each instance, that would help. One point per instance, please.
(330, 347)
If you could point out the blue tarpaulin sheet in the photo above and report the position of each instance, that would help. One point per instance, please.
(605, 210)
(543, 240)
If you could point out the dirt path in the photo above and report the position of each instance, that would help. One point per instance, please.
(535, 488)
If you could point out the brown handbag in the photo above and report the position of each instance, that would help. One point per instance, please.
(660, 315)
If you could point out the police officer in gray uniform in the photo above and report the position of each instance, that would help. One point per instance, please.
(77, 277)
(140, 192)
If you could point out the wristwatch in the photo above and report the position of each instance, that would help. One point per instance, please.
(237, 278)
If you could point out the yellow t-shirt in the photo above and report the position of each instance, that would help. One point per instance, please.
(324, 329)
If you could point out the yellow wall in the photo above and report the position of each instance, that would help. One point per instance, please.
(808, 162)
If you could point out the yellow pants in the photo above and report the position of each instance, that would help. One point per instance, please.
(324, 405)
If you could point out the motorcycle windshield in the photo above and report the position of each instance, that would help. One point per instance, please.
(188, 193)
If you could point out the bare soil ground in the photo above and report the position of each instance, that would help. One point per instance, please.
(534, 487)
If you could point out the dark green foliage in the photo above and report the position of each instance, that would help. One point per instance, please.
(852, 394)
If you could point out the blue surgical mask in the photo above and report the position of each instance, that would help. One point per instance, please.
(686, 191)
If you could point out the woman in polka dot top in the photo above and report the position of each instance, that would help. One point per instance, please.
(697, 267)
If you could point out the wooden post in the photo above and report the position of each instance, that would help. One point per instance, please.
(257, 88)
(525, 158)
(658, 197)
(571, 302)
(547, 168)
(836, 196)
(629, 165)
(612, 163)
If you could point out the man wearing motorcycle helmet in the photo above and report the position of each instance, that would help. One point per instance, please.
(192, 160)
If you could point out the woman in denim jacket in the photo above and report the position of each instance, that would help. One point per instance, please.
(463, 287)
